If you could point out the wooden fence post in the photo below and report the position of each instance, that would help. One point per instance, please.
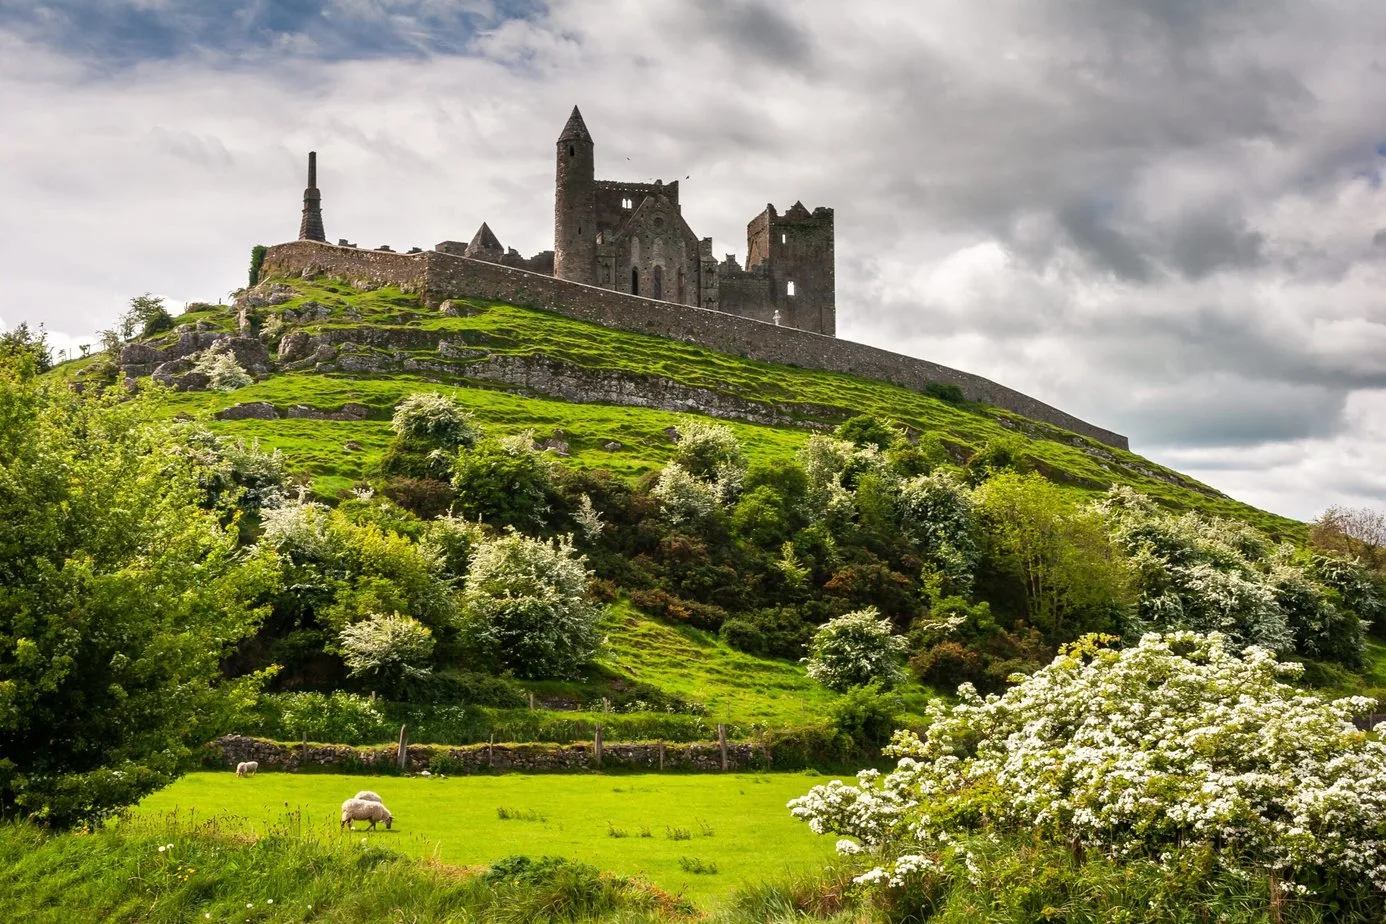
(661, 756)
(403, 748)
(531, 700)
(491, 752)
(722, 742)
(597, 746)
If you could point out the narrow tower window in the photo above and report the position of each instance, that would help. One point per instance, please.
(626, 203)
(784, 238)
(634, 281)
(572, 151)
(658, 293)
(789, 288)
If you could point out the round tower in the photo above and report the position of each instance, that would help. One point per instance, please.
(575, 205)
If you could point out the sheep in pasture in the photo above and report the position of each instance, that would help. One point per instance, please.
(365, 810)
(366, 795)
(247, 767)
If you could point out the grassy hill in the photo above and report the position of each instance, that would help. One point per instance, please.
(388, 333)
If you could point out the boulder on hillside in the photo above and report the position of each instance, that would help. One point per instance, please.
(166, 373)
(293, 347)
(250, 410)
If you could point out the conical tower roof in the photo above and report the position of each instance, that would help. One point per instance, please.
(484, 240)
(575, 129)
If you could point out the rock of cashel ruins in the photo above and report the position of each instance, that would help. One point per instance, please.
(624, 257)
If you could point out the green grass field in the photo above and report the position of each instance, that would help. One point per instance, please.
(737, 821)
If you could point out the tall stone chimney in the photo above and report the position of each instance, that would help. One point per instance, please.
(310, 228)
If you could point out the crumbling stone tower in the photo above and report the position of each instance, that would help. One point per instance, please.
(575, 204)
(795, 252)
(310, 227)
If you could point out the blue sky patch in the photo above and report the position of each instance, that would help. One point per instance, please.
(128, 32)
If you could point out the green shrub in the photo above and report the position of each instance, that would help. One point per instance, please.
(257, 260)
(945, 391)
(866, 718)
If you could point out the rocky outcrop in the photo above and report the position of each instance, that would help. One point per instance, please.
(250, 410)
(133, 354)
(348, 411)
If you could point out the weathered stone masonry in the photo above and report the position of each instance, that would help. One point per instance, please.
(440, 276)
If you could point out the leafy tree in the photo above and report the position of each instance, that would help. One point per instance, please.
(999, 454)
(1075, 578)
(1353, 532)
(526, 606)
(430, 428)
(866, 430)
(146, 317)
(504, 482)
(939, 515)
(389, 651)
(865, 717)
(683, 496)
(856, 649)
(119, 595)
(23, 341)
(709, 450)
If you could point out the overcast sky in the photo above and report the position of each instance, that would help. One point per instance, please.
(1164, 216)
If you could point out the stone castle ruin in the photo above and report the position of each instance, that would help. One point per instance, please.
(624, 257)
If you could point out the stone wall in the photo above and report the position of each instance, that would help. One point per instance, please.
(487, 758)
(441, 276)
(365, 267)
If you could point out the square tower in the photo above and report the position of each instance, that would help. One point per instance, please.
(795, 252)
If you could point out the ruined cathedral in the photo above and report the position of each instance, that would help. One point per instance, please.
(632, 238)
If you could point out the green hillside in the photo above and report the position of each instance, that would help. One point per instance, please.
(390, 329)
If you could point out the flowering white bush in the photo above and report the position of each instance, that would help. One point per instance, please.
(938, 513)
(434, 419)
(708, 450)
(223, 372)
(682, 496)
(1176, 741)
(526, 603)
(1214, 575)
(855, 649)
(300, 526)
(386, 648)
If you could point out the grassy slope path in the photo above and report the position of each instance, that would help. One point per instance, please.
(455, 819)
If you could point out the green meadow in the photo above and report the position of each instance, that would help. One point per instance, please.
(733, 827)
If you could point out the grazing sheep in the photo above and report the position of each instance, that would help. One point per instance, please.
(366, 795)
(365, 810)
(247, 767)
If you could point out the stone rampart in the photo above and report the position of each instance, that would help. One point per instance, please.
(356, 266)
(439, 276)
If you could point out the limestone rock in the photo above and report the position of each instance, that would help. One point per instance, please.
(165, 373)
(139, 353)
(348, 411)
(249, 352)
(293, 347)
(553, 444)
(612, 446)
(192, 381)
(250, 410)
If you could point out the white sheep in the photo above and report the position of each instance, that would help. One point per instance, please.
(365, 810)
(247, 767)
(367, 796)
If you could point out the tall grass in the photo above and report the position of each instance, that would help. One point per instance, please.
(138, 871)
